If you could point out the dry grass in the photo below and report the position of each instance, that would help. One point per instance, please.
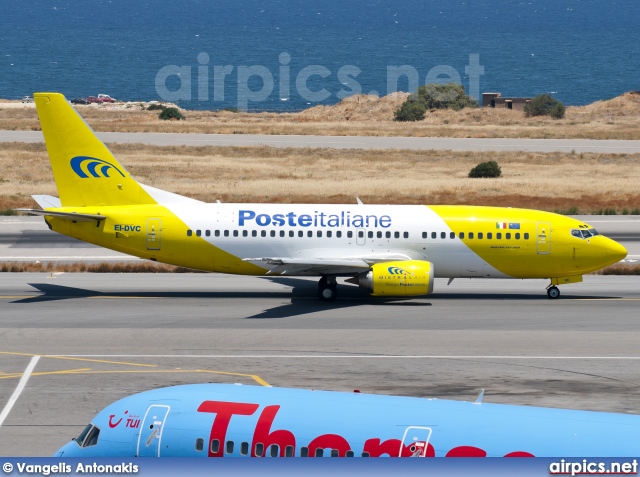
(618, 118)
(620, 269)
(548, 181)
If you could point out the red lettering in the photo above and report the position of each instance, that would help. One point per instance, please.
(114, 424)
(466, 451)
(329, 441)
(224, 411)
(391, 447)
(519, 454)
(262, 433)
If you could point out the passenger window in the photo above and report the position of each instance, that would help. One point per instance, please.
(244, 448)
(92, 437)
(215, 446)
(199, 444)
(309, 233)
(282, 233)
(480, 235)
(319, 452)
(498, 235)
(263, 233)
(216, 233)
(254, 233)
(207, 233)
(443, 235)
(329, 233)
(387, 234)
(470, 235)
(226, 233)
(489, 235)
(300, 233)
(461, 235)
(406, 235)
(349, 234)
(291, 233)
(273, 233)
(434, 235)
(198, 233)
(304, 452)
(274, 450)
(425, 235)
(349, 453)
(335, 453)
(508, 236)
(526, 236)
(288, 451)
(370, 234)
(189, 233)
(452, 235)
(245, 233)
(235, 233)
(517, 236)
(379, 234)
(396, 234)
(259, 449)
(338, 234)
(319, 233)
(360, 233)
(229, 447)
(365, 454)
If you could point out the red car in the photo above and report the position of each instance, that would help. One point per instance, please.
(93, 99)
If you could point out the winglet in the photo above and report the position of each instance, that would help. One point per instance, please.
(479, 398)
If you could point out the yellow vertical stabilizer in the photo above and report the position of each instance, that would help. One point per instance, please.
(85, 171)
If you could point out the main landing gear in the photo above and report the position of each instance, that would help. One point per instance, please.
(553, 292)
(327, 288)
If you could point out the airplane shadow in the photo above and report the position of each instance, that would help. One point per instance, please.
(302, 296)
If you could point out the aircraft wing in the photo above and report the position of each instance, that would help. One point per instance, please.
(311, 266)
(65, 215)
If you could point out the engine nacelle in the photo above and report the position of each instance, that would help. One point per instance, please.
(406, 278)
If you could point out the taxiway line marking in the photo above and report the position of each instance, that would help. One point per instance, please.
(90, 359)
(343, 356)
(21, 385)
(255, 377)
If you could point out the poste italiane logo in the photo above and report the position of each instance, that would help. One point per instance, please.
(87, 167)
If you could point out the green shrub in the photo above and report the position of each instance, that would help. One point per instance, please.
(156, 107)
(171, 113)
(410, 111)
(544, 105)
(486, 169)
(434, 96)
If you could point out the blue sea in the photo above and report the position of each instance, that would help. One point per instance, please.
(286, 55)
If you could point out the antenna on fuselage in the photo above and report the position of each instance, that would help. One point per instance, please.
(479, 398)
(359, 201)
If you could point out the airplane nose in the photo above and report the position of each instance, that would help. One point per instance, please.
(615, 251)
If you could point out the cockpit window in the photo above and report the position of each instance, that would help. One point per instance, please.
(584, 233)
(88, 437)
(80, 439)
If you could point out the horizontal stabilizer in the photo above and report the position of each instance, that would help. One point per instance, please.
(47, 201)
(64, 215)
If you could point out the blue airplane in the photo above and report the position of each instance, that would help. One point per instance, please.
(226, 420)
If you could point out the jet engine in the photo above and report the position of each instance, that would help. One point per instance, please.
(406, 278)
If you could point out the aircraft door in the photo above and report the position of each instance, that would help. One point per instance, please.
(361, 236)
(154, 234)
(417, 437)
(543, 240)
(150, 437)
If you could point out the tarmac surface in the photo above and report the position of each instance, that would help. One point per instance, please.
(94, 338)
(353, 142)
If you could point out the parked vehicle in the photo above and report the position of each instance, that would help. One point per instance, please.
(79, 101)
(106, 98)
(93, 99)
(27, 99)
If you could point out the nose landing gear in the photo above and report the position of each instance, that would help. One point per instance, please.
(327, 288)
(553, 292)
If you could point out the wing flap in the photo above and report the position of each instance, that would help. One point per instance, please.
(310, 266)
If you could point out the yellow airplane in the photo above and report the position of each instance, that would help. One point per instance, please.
(392, 250)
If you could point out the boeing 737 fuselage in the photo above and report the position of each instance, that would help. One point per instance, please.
(392, 250)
